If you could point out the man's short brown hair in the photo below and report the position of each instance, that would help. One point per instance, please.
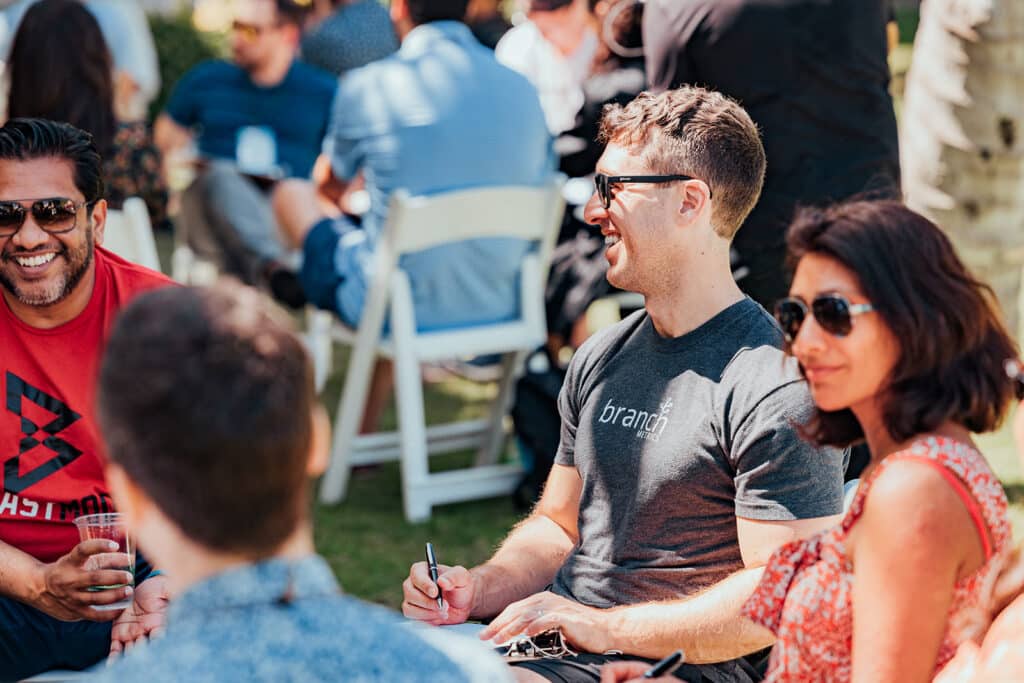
(206, 400)
(696, 132)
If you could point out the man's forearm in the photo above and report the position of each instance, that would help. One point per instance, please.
(708, 627)
(525, 564)
(19, 574)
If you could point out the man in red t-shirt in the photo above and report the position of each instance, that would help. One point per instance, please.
(61, 293)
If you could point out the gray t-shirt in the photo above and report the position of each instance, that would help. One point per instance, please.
(675, 438)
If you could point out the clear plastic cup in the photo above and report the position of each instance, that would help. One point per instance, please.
(110, 526)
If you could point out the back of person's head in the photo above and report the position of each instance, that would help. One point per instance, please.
(28, 139)
(952, 339)
(700, 133)
(206, 403)
(61, 69)
(426, 11)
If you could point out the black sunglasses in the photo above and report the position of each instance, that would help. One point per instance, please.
(832, 311)
(603, 183)
(54, 214)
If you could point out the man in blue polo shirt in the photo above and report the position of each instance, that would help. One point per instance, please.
(256, 119)
(440, 114)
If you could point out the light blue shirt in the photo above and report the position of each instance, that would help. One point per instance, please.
(282, 620)
(440, 114)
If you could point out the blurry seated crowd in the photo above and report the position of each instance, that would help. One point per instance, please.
(695, 505)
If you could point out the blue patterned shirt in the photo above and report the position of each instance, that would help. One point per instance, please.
(354, 35)
(281, 620)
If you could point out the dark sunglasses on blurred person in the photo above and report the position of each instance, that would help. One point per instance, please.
(251, 31)
(832, 312)
(53, 215)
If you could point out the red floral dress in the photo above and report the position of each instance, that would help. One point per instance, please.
(805, 596)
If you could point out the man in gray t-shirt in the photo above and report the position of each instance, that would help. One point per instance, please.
(682, 436)
(680, 468)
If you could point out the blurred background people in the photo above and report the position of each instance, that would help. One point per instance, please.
(814, 76)
(554, 49)
(615, 76)
(346, 34)
(486, 21)
(60, 69)
(440, 114)
(227, 509)
(128, 37)
(253, 120)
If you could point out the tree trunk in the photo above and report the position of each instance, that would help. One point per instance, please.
(962, 137)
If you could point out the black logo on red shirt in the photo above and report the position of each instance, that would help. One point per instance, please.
(64, 453)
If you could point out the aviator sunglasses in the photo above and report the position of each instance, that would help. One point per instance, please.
(832, 312)
(54, 215)
(603, 183)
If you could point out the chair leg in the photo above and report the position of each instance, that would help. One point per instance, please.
(412, 434)
(346, 424)
(318, 341)
(182, 260)
(494, 441)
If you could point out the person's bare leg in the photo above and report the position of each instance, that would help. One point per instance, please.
(526, 676)
(380, 392)
(298, 207)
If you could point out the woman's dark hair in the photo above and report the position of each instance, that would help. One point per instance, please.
(952, 338)
(61, 69)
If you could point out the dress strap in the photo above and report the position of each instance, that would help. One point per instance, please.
(954, 481)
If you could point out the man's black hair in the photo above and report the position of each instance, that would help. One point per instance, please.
(426, 11)
(28, 139)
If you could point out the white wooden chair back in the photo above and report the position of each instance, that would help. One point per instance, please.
(129, 234)
(415, 224)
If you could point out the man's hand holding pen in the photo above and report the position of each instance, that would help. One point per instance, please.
(420, 593)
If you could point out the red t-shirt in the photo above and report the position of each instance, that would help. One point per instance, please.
(49, 441)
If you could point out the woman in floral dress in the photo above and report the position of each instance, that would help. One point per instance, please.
(900, 346)
(903, 348)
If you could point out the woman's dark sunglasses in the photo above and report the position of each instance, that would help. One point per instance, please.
(54, 215)
(833, 313)
(603, 183)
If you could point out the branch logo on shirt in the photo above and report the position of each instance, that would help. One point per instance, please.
(37, 435)
(648, 425)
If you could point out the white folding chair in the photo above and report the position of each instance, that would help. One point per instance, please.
(129, 234)
(187, 268)
(415, 224)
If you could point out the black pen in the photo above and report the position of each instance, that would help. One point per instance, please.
(432, 567)
(666, 665)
